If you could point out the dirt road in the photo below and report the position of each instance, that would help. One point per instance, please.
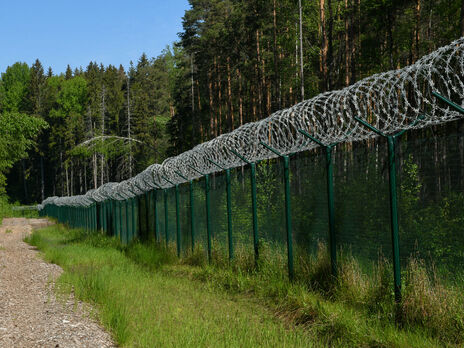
(30, 314)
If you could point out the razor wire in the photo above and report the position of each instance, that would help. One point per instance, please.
(390, 101)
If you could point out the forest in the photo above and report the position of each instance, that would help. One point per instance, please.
(235, 62)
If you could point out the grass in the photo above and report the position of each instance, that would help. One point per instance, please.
(8, 231)
(6, 209)
(146, 307)
(148, 297)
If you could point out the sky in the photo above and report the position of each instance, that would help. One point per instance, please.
(62, 32)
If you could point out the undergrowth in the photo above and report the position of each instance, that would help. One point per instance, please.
(355, 309)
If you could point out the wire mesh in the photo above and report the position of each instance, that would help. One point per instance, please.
(389, 101)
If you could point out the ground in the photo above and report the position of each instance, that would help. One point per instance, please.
(30, 313)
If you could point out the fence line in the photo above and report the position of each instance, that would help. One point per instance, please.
(389, 104)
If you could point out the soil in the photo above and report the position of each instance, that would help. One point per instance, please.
(30, 313)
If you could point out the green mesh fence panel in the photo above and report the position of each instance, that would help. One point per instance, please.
(161, 216)
(153, 219)
(172, 215)
(136, 219)
(271, 207)
(362, 206)
(242, 218)
(142, 216)
(130, 221)
(123, 221)
(309, 203)
(431, 199)
(184, 217)
(200, 215)
(218, 213)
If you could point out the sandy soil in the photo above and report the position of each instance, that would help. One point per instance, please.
(30, 314)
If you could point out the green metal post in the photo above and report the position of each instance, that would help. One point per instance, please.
(178, 222)
(394, 217)
(229, 210)
(192, 215)
(166, 217)
(393, 201)
(288, 217)
(119, 218)
(330, 202)
(254, 208)
(288, 210)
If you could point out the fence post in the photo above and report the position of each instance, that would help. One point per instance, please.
(288, 211)
(166, 217)
(208, 217)
(229, 209)
(391, 139)
(330, 200)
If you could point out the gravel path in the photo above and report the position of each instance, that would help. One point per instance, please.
(30, 314)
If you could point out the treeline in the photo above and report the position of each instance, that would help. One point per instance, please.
(104, 124)
(236, 62)
(247, 59)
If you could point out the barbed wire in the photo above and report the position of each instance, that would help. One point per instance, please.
(390, 101)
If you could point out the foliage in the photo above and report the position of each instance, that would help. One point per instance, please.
(147, 309)
(357, 311)
(16, 137)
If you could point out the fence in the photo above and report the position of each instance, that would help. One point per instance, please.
(296, 179)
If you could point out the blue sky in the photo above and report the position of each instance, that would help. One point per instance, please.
(61, 32)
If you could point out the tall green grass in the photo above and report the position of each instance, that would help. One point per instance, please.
(145, 293)
(145, 307)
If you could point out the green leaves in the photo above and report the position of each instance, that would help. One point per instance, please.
(17, 132)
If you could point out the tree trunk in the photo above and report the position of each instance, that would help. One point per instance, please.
(324, 45)
(276, 90)
(192, 88)
(23, 168)
(257, 68)
(330, 47)
(461, 19)
(347, 44)
(229, 97)
(103, 111)
(417, 32)
(301, 49)
(240, 101)
(211, 106)
(219, 84)
(72, 180)
(129, 134)
(67, 179)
